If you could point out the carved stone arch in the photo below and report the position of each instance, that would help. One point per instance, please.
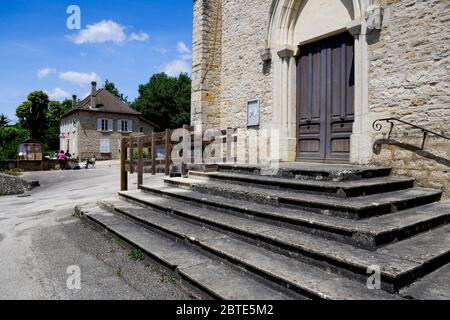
(283, 16)
(283, 40)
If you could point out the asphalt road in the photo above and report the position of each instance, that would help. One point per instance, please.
(40, 239)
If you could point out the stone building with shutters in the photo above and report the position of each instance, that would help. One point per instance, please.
(96, 124)
(323, 71)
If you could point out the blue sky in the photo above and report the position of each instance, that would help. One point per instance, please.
(122, 41)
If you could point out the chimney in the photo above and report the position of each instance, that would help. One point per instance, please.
(93, 91)
(74, 101)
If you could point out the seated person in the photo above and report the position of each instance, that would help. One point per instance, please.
(90, 161)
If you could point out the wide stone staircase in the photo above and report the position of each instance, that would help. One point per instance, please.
(306, 231)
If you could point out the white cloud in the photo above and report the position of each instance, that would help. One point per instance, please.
(79, 78)
(175, 67)
(141, 37)
(185, 52)
(103, 31)
(182, 48)
(160, 50)
(180, 65)
(57, 94)
(42, 73)
(107, 31)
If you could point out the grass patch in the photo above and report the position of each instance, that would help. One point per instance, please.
(119, 272)
(118, 242)
(77, 214)
(136, 254)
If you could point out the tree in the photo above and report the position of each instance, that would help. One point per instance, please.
(66, 106)
(41, 117)
(10, 137)
(165, 100)
(57, 109)
(4, 121)
(53, 117)
(32, 113)
(111, 87)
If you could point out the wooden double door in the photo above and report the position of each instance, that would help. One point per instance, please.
(325, 99)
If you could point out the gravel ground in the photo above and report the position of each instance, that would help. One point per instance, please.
(11, 185)
(40, 238)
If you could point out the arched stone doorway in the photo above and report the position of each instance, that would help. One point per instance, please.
(297, 24)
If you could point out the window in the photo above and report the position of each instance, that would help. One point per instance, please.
(104, 124)
(104, 146)
(141, 129)
(125, 126)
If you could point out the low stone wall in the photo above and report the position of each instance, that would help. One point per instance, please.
(29, 165)
(11, 185)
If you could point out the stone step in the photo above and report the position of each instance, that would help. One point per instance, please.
(352, 188)
(435, 286)
(368, 234)
(307, 280)
(398, 267)
(215, 278)
(353, 208)
(315, 171)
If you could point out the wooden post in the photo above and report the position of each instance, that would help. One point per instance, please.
(131, 155)
(140, 163)
(153, 153)
(123, 171)
(168, 153)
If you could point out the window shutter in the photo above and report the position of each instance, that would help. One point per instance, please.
(110, 125)
(130, 125)
(119, 125)
(99, 124)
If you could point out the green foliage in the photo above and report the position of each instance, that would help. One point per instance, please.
(111, 87)
(136, 255)
(66, 105)
(165, 100)
(4, 121)
(57, 109)
(41, 118)
(147, 154)
(32, 114)
(10, 137)
(53, 116)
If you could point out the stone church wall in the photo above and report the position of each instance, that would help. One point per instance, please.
(408, 66)
(409, 78)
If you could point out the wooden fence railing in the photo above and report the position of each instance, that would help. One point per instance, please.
(138, 153)
(133, 155)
